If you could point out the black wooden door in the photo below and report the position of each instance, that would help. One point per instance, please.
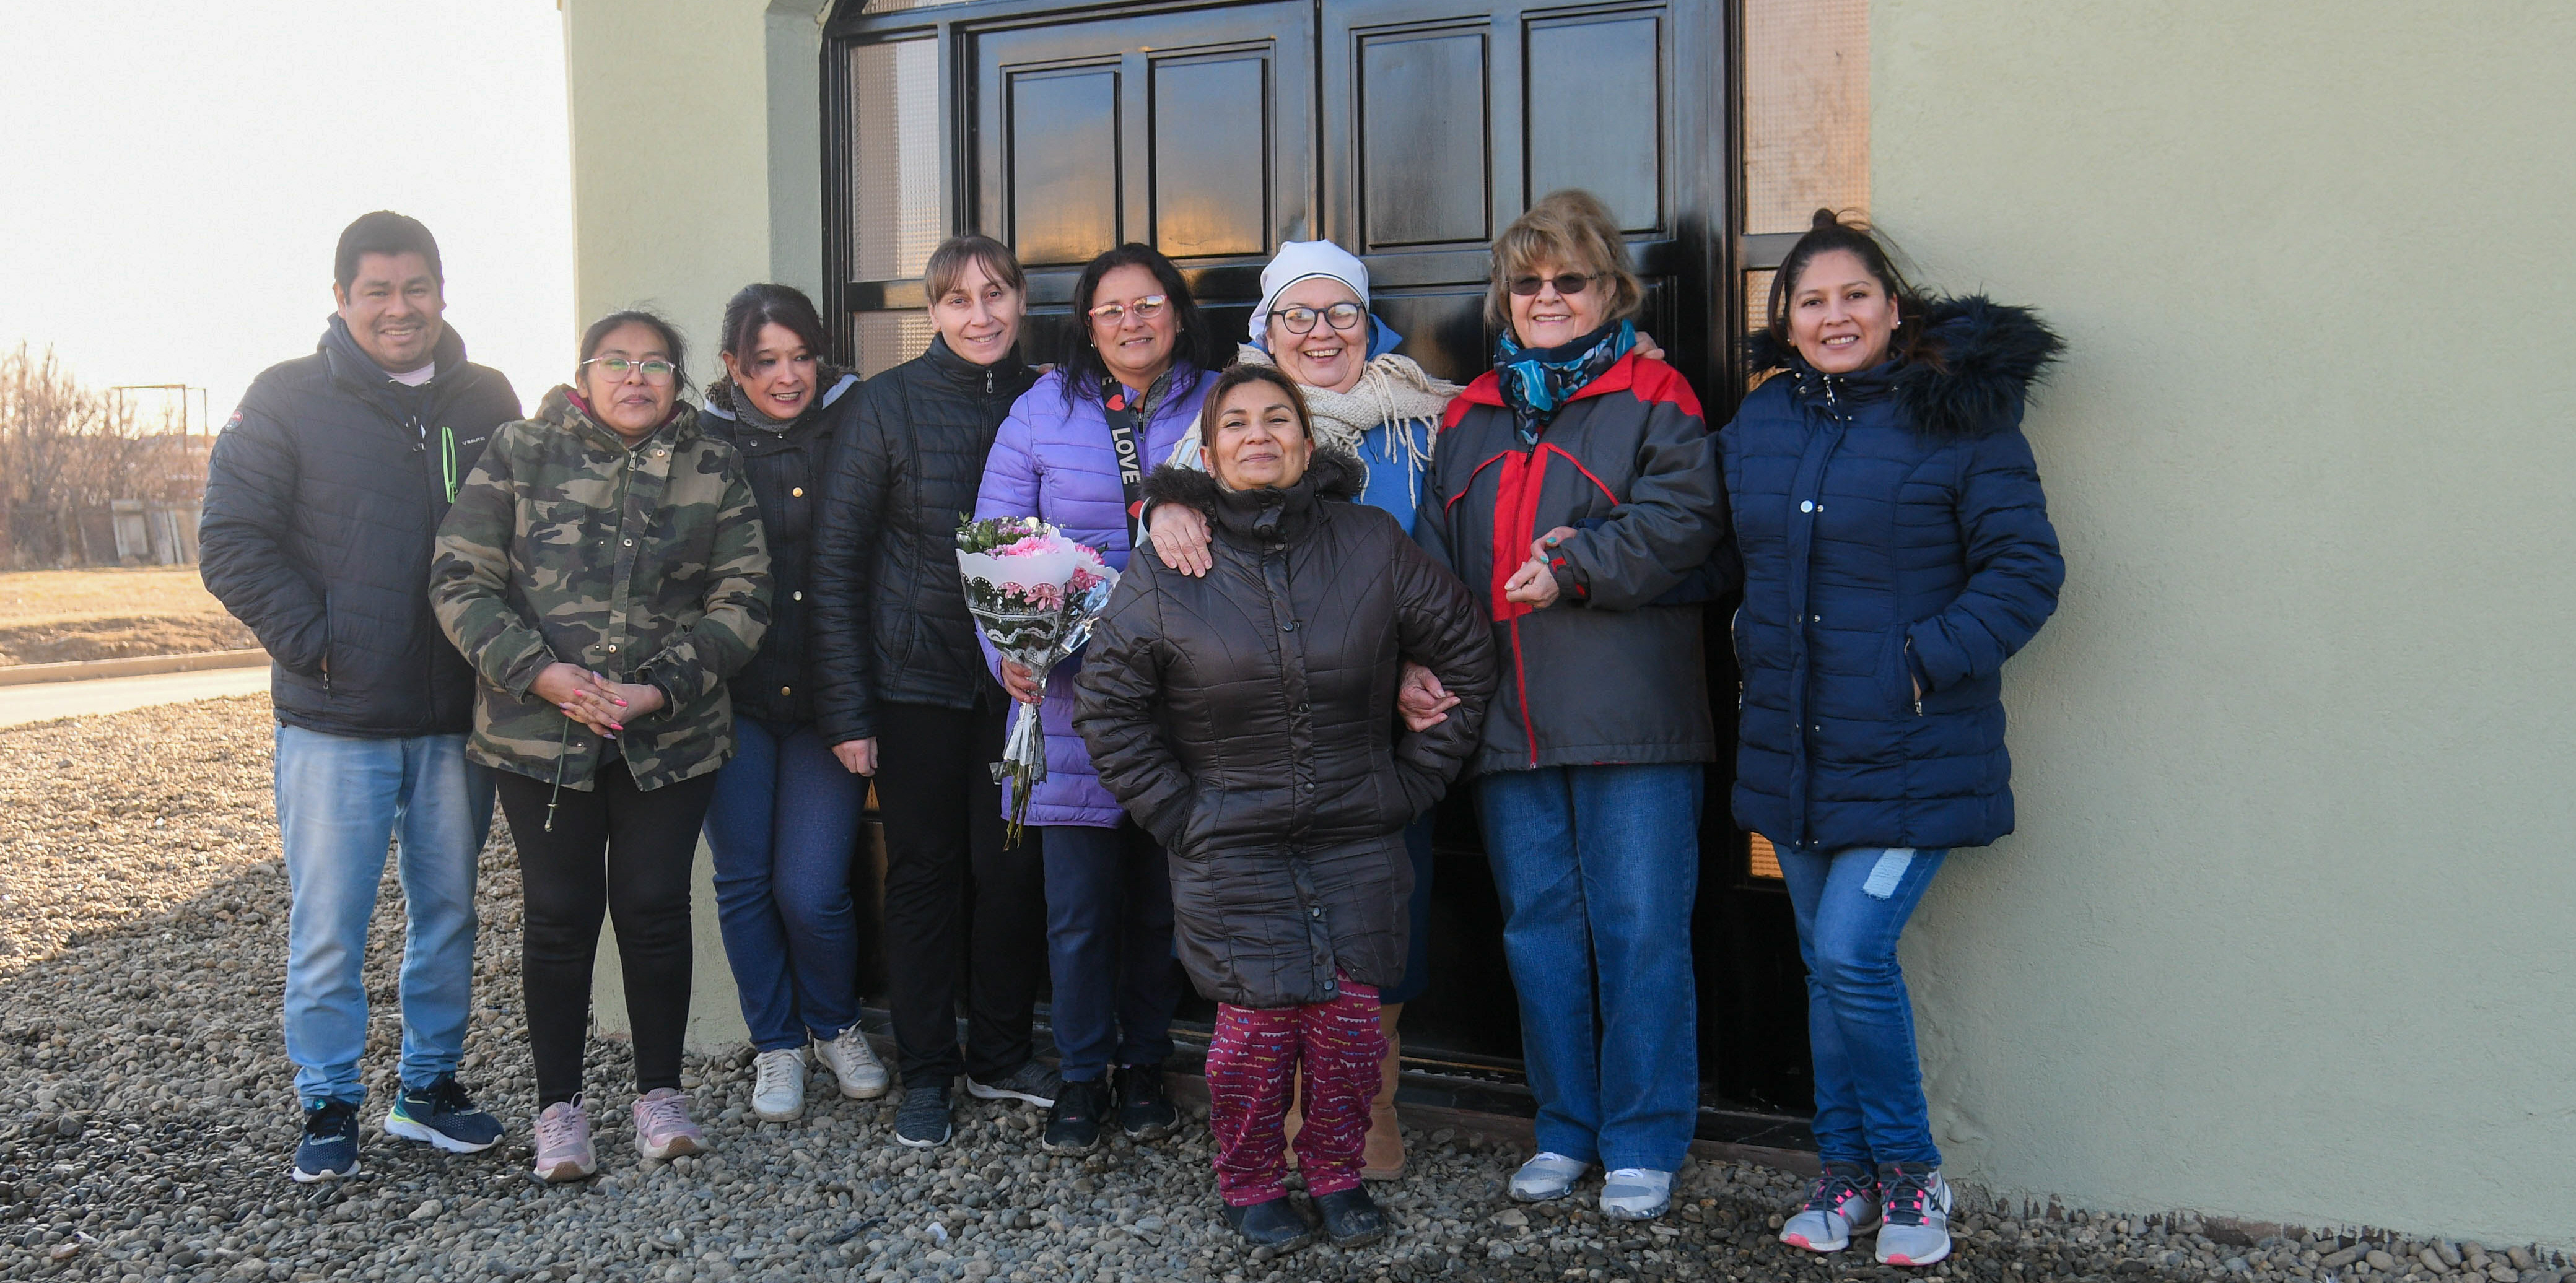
(1410, 132)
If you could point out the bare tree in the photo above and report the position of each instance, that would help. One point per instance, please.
(66, 448)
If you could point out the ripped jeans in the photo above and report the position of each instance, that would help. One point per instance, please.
(1851, 905)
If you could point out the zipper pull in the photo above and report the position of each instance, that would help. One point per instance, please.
(988, 380)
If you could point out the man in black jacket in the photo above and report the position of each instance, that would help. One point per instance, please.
(324, 494)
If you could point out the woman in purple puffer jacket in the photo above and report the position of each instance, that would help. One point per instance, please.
(1128, 384)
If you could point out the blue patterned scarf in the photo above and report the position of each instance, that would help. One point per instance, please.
(1537, 381)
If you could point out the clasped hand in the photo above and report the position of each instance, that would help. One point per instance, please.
(593, 700)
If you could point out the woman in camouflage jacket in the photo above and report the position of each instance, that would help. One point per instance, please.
(604, 570)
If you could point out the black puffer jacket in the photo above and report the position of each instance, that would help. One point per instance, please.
(790, 470)
(1247, 720)
(890, 617)
(322, 501)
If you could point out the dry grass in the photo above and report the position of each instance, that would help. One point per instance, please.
(49, 616)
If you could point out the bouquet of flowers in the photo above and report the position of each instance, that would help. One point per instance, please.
(1034, 593)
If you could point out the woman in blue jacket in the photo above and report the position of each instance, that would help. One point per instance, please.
(1128, 382)
(1896, 551)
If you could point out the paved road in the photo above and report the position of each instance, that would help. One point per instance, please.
(43, 700)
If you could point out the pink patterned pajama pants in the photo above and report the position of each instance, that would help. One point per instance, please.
(1252, 1065)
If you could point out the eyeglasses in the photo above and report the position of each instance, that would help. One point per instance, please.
(618, 367)
(1301, 320)
(1146, 309)
(1570, 283)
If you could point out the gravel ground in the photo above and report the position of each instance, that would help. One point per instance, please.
(146, 1120)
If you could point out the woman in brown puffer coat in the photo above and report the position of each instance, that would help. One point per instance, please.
(1247, 720)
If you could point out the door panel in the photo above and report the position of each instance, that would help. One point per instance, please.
(1595, 108)
(1063, 164)
(1212, 154)
(1425, 173)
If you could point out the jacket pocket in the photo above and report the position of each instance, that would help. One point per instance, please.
(1896, 679)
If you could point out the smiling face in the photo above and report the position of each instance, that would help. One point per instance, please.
(1325, 356)
(778, 373)
(1259, 442)
(1137, 349)
(630, 404)
(1840, 316)
(393, 309)
(980, 316)
(1552, 319)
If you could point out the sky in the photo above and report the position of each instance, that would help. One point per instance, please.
(173, 178)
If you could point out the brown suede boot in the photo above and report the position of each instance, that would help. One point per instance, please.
(1295, 1121)
(1383, 1157)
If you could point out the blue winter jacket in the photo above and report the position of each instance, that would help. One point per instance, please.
(1053, 461)
(1893, 533)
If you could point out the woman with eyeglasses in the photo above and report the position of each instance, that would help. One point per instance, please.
(1576, 491)
(1129, 380)
(786, 812)
(605, 571)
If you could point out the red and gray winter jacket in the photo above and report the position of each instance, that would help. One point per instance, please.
(1614, 670)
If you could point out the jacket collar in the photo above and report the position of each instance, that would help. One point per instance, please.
(1972, 370)
(1487, 389)
(351, 366)
(561, 410)
(836, 383)
(1261, 515)
(1010, 374)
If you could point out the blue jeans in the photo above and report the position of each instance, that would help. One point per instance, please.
(1597, 868)
(340, 799)
(1109, 948)
(782, 828)
(1851, 906)
(1417, 953)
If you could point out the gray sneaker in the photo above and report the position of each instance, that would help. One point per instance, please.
(1843, 1202)
(1917, 1229)
(1636, 1193)
(1032, 1082)
(921, 1121)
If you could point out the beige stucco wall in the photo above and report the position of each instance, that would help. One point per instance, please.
(2286, 931)
(697, 146)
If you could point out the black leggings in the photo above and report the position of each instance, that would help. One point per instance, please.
(649, 840)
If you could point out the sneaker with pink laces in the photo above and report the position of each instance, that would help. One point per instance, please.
(563, 1142)
(662, 1126)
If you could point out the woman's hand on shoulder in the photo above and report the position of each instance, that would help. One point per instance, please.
(1180, 535)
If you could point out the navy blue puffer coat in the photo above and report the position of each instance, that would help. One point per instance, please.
(1893, 533)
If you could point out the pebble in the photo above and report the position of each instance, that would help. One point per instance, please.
(147, 1117)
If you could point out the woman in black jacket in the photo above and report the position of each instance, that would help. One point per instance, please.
(786, 815)
(1247, 720)
(905, 696)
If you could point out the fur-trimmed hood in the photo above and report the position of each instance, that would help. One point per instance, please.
(1334, 474)
(1978, 361)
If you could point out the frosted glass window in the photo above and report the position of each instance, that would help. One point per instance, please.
(894, 162)
(1806, 111)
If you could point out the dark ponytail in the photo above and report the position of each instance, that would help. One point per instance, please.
(1829, 231)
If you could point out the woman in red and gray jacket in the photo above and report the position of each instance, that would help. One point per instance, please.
(1574, 487)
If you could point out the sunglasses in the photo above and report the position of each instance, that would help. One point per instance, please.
(1146, 309)
(618, 367)
(1301, 320)
(1570, 283)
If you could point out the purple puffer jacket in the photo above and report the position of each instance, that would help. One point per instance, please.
(1054, 462)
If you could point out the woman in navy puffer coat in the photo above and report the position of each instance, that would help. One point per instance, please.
(1896, 551)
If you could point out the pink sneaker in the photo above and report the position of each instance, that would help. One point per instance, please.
(662, 1126)
(563, 1143)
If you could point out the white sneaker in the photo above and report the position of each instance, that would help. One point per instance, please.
(1917, 1211)
(854, 1064)
(1636, 1194)
(778, 1085)
(1547, 1176)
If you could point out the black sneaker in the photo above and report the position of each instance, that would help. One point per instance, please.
(921, 1121)
(1351, 1217)
(1073, 1126)
(443, 1115)
(1274, 1225)
(329, 1149)
(1145, 1112)
(1032, 1082)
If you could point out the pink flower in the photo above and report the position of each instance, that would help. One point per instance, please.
(1032, 546)
(1045, 596)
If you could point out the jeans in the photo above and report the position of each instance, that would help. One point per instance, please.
(1109, 948)
(619, 851)
(1597, 867)
(1851, 906)
(782, 828)
(943, 832)
(1417, 953)
(339, 800)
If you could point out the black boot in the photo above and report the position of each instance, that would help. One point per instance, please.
(1351, 1217)
(1145, 1112)
(1274, 1225)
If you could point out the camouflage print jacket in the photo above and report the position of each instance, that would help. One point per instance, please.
(645, 564)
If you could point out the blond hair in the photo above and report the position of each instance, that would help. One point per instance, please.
(1575, 229)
